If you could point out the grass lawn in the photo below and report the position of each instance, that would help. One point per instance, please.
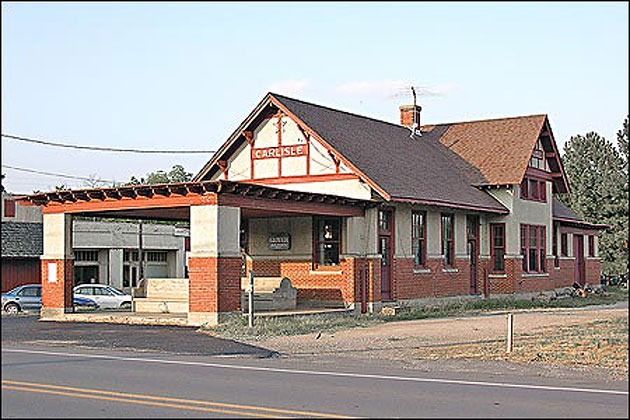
(265, 327)
(600, 343)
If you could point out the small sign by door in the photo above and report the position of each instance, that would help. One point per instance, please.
(279, 241)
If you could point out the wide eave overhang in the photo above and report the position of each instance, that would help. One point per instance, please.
(581, 223)
(185, 194)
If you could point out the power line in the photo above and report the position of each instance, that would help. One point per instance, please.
(56, 174)
(104, 149)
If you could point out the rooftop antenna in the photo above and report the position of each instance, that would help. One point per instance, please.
(414, 125)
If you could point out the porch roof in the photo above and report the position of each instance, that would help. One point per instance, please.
(171, 201)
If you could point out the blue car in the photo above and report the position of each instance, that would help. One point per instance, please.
(29, 298)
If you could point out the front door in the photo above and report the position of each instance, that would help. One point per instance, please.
(578, 252)
(385, 248)
(472, 231)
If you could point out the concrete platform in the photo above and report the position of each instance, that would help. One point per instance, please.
(173, 319)
(129, 318)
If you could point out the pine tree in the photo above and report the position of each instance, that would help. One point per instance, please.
(599, 193)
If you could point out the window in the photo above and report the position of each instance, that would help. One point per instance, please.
(155, 256)
(89, 291)
(418, 238)
(537, 159)
(327, 240)
(534, 189)
(86, 256)
(554, 247)
(384, 220)
(564, 245)
(130, 256)
(497, 247)
(9, 208)
(101, 291)
(30, 292)
(591, 245)
(448, 243)
(533, 248)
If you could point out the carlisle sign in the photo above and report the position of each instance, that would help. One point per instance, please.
(279, 152)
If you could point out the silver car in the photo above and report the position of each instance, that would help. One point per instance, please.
(107, 297)
(23, 298)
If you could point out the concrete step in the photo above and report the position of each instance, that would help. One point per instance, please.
(146, 305)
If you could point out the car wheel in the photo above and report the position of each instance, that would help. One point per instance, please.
(12, 308)
(125, 305)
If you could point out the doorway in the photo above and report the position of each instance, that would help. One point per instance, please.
(472, 235)
(386, 249)
(579, 275)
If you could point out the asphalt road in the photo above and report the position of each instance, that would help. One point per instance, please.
(178, 340)
(70, 381)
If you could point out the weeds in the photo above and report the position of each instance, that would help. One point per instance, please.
(265, 327)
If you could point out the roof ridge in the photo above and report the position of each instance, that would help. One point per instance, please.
(338, 110)
(486, 120)
(402, 126)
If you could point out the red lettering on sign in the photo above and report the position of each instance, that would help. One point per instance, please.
(280, 152)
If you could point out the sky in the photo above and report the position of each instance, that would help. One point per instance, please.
(184, 75)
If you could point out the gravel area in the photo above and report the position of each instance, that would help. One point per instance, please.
(399, 341)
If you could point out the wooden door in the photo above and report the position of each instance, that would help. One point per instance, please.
(472, 233)
(578, 252)
(386, 249)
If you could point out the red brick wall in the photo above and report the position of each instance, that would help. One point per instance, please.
(58, 295)
(214, 284)
(320, 286)
(593, 271)
(409, 285)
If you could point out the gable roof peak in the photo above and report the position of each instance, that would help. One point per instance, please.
(276, 95)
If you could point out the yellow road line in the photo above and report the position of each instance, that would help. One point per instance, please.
(130, 401)
(170, 399)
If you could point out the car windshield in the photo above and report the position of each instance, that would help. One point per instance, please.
(115, 291)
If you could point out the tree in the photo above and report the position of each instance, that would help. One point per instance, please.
(599, 193)
(176, 174)
(179, 174)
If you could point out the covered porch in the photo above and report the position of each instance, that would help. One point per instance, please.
(324, 244)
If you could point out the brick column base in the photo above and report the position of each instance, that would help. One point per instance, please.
(56, 287)
(214, 289)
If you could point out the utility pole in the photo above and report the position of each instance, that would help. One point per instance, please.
(140, 253)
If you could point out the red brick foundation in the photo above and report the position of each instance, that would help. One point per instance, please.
(58, 295)
(214, 284)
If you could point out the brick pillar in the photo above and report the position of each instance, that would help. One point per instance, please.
(214, 263)
(57, 266)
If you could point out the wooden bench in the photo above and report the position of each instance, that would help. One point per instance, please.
(270, 293)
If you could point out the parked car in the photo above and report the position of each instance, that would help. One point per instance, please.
(29, 298)
(107, 297)
(80, 302)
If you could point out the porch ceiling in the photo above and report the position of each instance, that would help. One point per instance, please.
(183, 214)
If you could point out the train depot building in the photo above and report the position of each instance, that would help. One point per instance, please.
(354, 211)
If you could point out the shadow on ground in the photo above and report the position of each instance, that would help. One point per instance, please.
(28, 330)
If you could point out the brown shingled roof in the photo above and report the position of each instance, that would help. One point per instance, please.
(499, 148)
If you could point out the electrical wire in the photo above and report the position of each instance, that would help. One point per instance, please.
(15, 168)
(104, 149)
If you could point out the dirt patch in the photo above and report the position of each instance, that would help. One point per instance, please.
(408, 341)
(603, 344)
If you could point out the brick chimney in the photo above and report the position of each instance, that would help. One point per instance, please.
(410, 114)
